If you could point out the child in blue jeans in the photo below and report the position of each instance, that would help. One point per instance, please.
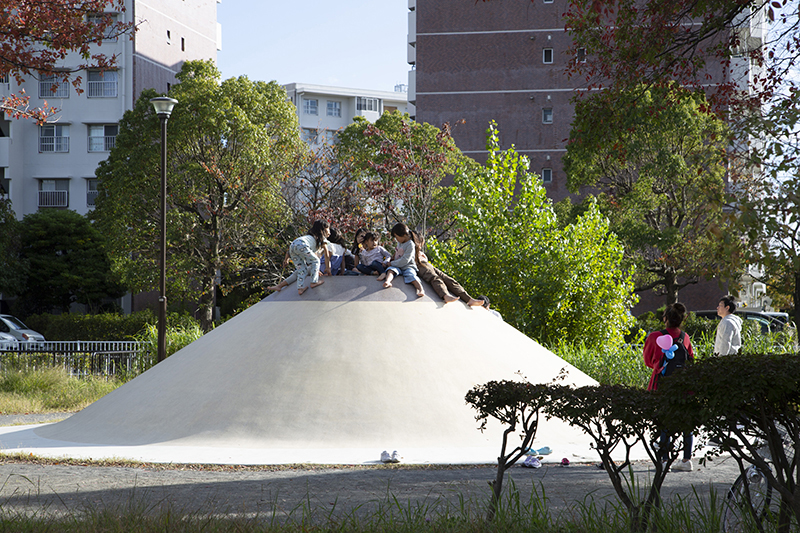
(372, 256)
(405, 262)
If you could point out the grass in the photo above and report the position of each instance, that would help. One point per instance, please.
(49, 390)
(517, 513)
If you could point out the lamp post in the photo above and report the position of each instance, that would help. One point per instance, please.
(163, 106)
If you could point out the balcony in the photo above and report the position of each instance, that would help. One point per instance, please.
(101, 89)
(91, 196)
(53, 89)
(53, 144)
(102, 144)
(5, 149)
(53, 198)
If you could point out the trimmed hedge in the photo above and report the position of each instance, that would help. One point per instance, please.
(75, 327)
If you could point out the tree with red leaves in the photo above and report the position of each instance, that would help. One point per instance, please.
(401, 163)
(38, 37)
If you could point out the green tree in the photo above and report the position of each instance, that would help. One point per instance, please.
(13, 268)
(658, 163)
(549, 282)
(230, 144)
(399, 165)
(68, 263)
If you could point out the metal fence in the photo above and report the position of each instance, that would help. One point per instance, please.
(79, 358)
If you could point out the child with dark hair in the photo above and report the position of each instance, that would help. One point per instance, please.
(303, 252)
(406, 259)
(658, 356)
(336, 254)
(728, 339)
(445, 286)
(372, 256)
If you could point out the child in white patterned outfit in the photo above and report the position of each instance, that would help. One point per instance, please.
(303, 252)
(405, 264)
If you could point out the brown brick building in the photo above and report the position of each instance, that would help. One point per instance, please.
(505, 60)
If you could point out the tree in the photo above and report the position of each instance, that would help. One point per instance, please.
(230, 145)
(658, 163)
(37, 37)
(13, 268)
(549, 282)
(400, 164)
(68, 263)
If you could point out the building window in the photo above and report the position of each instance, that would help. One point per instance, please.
(334, 108)
(580, 56)
(547, 175)
(183, 44)
(331, 136)
(368, 104)
(102, 137)
(169, 37)
(91, 191)
(110, 32)
(54, 138)
(54, 193)
(547, 56)
(102, 84)
(53, 86)
(310, 135)
(310, 107)
(548, 1)
(547, 115)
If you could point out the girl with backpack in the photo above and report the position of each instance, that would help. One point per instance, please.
(665, 352)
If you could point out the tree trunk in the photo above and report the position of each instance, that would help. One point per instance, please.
(671, 287)
(796, 301)
(205, 309)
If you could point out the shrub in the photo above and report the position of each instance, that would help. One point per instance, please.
(104, 327)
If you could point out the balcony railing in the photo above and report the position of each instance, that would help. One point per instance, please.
(53, 198)
(101, 89)
(102, 144)
(53, 89)
(54, 144)
(91, 196)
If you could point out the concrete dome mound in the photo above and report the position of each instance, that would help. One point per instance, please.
(348, 365)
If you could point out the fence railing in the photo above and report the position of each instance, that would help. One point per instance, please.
(79, 358)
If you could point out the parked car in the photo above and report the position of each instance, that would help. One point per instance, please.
(22, 333)
(7, 341)
(767, 322)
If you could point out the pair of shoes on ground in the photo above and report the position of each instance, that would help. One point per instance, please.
(386, 458)
(682, 466)
(531, 462)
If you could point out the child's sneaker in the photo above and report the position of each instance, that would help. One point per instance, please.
(385, 457)
(395, 457)
(531, 462)
(682, 466)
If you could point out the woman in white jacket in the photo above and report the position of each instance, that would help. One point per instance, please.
(729, 329)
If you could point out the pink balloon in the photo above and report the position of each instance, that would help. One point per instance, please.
(664, 342)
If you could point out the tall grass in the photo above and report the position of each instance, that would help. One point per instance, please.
(622, 366)
(49, 389)
(177, 337)
(517, 513)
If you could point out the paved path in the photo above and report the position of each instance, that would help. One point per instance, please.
(62, 488)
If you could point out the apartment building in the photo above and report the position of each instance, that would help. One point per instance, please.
(505, 61)
(323, 110)
(53, 165)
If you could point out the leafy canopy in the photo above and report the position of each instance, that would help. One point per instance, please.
(547, 281)
(230, 144)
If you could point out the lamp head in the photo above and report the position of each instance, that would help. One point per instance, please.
(163, 105)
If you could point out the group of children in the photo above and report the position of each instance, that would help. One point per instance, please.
(368, 257)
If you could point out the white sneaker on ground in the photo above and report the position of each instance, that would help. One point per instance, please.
(682, 466)
(385, 457)
(395, 457)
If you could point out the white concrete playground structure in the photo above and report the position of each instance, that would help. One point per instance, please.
(336, 376)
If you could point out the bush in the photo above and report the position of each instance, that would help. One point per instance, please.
(104, 327)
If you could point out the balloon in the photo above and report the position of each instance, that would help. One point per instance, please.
(664, 342)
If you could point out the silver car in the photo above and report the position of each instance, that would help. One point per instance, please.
(14, 327)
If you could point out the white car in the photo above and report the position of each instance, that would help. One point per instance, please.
(20, 332)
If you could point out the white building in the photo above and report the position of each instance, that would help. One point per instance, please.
(52, 166)
(323, 110)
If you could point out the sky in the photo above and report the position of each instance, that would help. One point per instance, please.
(359, 44)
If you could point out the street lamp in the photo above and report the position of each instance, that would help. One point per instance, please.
(163, 106)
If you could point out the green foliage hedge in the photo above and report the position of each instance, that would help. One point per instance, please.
(74, 327)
